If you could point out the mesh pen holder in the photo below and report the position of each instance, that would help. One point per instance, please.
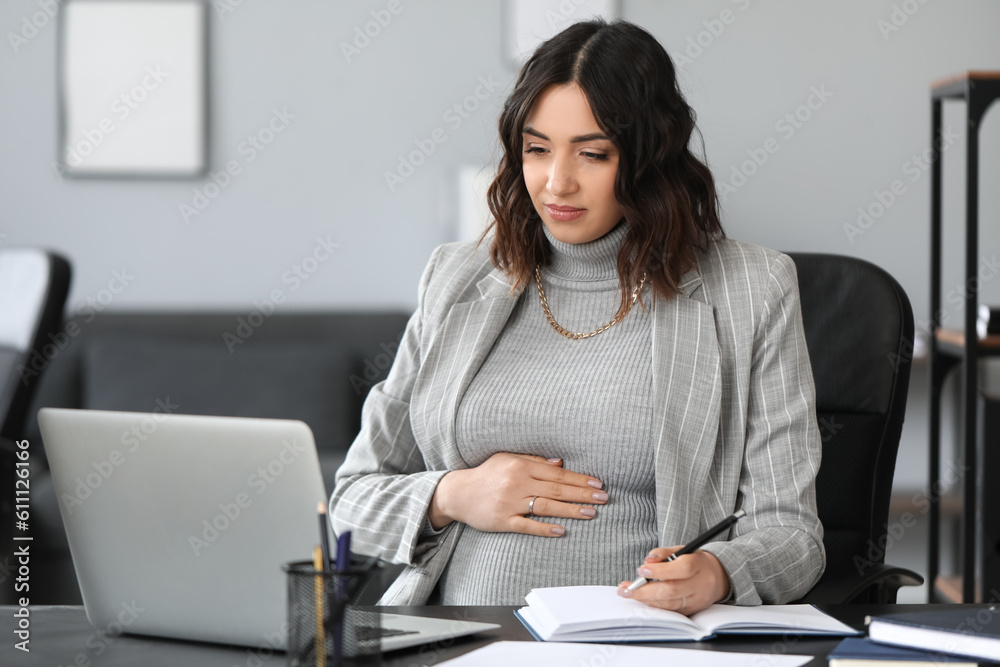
(326, 626)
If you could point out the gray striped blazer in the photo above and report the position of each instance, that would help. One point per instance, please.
(736, 424)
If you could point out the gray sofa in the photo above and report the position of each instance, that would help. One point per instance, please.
(314, 367)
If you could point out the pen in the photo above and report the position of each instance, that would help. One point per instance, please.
(691, 547)
(344, 552)
(324, 536)
(342, 565)
(320, 634)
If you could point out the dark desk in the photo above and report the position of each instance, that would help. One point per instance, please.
(61, 636)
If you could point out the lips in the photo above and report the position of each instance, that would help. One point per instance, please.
(564, 213)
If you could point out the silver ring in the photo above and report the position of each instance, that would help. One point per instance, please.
(531, 506)
(684, 602)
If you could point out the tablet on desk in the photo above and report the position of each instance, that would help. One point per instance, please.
(179, 524)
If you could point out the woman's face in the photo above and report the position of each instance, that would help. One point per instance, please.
(569, 163)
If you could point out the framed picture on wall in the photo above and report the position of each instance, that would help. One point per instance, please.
(133, 89)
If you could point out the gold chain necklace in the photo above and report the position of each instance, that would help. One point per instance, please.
(570, 334)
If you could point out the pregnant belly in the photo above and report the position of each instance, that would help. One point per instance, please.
(501, 568)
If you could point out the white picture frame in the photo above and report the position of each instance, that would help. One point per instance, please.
(133, 86)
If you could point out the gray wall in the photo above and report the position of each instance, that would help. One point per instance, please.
(324, 175)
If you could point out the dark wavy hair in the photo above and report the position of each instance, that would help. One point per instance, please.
(666, 194)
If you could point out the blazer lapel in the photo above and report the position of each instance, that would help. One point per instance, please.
(686, 398)
(455, 355)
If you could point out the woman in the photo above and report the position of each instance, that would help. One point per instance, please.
(525, 437)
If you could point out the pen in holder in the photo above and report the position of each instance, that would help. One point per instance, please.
(326, 625)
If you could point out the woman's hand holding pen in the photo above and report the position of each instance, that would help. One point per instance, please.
(495, 496)
(687, 585)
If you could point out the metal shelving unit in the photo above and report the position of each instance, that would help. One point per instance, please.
(951, 348)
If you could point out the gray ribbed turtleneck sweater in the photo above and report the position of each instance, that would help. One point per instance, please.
(587, 401)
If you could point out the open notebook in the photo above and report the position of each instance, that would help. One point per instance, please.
(599, 614)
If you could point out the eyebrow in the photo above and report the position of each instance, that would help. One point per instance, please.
(573, 140)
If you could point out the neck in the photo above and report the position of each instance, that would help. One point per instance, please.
(590, 261)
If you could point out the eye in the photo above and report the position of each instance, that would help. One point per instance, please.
(596, 157)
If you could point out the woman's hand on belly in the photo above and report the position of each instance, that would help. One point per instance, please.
(495, 495)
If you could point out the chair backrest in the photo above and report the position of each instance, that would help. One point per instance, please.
(33, 288)
(859, 331)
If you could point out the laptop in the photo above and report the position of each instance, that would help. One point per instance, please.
(179, 524)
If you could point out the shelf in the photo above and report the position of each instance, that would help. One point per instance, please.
(952, 342)
(957, 85)
(950, 589)
(978, 89)
(902, 501)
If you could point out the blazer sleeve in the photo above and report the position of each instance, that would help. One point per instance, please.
(383, 489)
(776, 553)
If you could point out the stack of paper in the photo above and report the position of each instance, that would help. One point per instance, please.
(505, 654)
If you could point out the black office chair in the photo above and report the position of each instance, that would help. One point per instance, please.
(859, 331)
(33, 288)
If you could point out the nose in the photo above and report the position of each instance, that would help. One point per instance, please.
(562, 180)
